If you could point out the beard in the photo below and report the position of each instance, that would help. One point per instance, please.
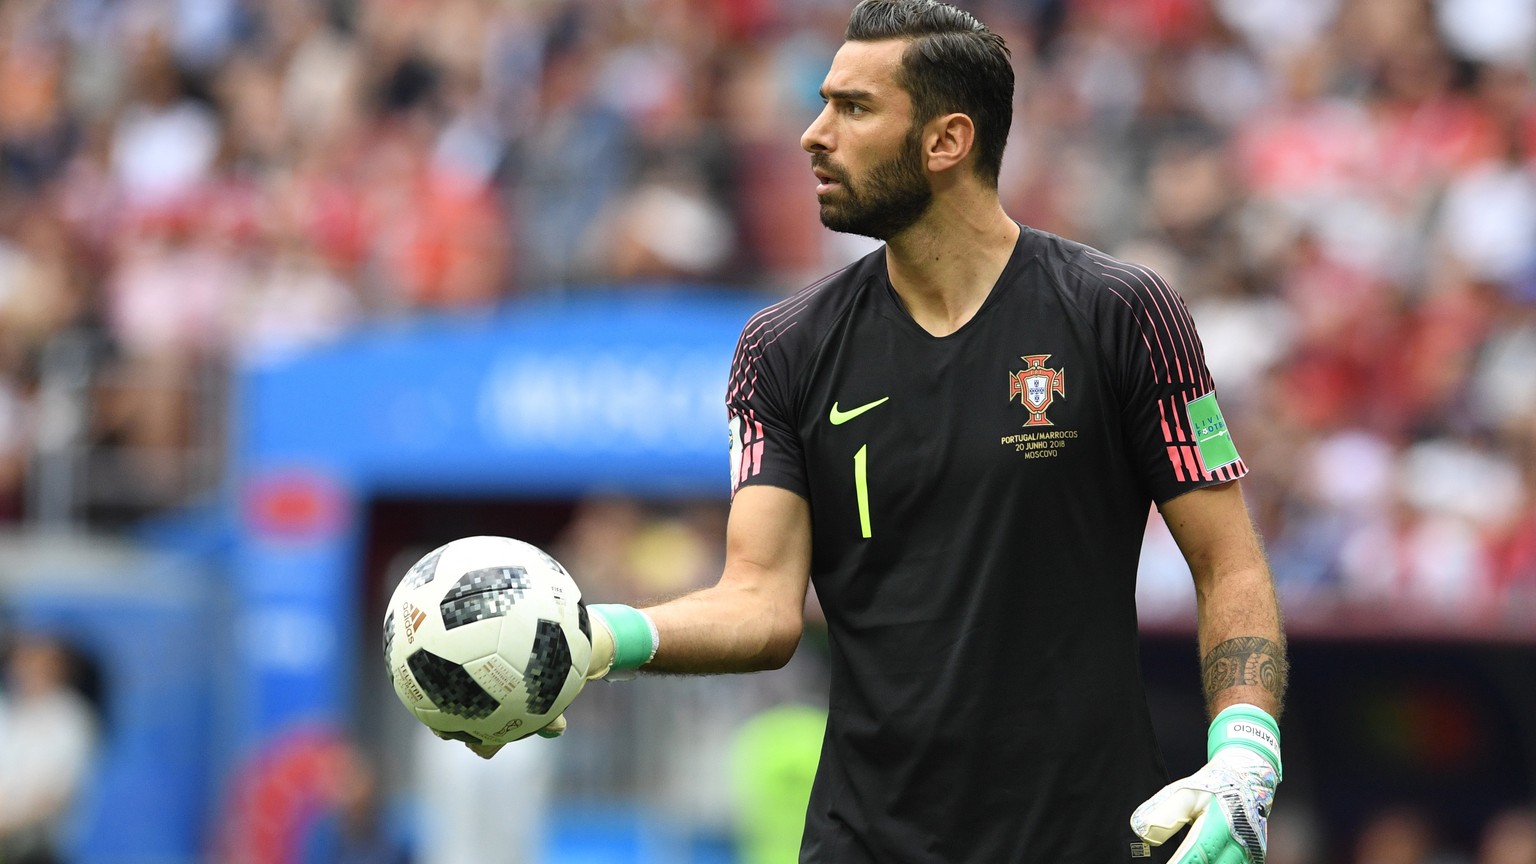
(887, 201)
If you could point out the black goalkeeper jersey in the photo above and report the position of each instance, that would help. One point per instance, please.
(978, 502)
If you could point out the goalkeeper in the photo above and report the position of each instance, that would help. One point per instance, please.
(958, 438)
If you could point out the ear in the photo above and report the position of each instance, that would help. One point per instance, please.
(949, 140)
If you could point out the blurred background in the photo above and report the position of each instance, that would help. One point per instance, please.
(293, 291)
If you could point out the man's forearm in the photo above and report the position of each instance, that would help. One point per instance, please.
(1242, 662)
(726, 628)
(1242, 642)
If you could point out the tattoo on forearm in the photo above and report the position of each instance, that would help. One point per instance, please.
(1246, 660)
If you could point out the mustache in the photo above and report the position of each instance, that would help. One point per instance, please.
(822, 162)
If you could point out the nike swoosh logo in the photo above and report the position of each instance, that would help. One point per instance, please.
(838, 418)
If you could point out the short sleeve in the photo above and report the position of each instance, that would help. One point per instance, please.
(1174, 427)
(765, 446)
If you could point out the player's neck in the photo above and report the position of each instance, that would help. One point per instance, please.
(944, 267)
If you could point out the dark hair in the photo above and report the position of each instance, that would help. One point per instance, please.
(952, 64)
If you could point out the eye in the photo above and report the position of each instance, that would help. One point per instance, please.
(854, 109)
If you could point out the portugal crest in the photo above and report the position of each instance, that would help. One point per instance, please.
(1036, 385)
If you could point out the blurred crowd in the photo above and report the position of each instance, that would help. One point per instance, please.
(1408, 836)
(1343, 190)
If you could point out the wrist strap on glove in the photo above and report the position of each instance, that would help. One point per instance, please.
(634, 634)
(1247, 726)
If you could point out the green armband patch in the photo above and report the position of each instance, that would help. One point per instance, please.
(1211, 435)
(1246, 726)
(634, 636)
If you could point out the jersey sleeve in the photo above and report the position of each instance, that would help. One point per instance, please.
(765, 446)
(1175, 431)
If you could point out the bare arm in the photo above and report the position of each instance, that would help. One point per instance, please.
(1242, 642)
(752, 618)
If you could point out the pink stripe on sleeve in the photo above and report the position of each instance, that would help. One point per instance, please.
(1192, 462)
(1178, 467)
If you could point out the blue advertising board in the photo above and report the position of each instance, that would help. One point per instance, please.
(618, 392)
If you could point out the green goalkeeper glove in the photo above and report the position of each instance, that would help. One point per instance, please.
(1226, 804)
(623, 640)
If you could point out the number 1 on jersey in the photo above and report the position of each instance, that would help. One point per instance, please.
(861, 486)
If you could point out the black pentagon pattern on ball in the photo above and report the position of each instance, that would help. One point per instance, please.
(425, 569)
(582, 621)
(451, 688)
(389, 635)
(481, 594)
(548, 666)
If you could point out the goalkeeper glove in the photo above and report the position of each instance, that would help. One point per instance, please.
(623, 640)
(1226, 804)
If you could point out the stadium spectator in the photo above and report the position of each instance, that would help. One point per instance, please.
(48, 738)
(1509, 838)
(1398, 836)
(773, 763)
(353, 825)
(453, 787)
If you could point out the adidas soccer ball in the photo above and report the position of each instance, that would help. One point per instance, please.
(487, 639)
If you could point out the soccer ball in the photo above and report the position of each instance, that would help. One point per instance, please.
(487, 640)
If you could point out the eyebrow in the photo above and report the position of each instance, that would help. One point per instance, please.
(846, 95)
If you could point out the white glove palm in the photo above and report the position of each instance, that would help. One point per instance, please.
(1226, 803)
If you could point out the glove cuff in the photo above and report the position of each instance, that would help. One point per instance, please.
(1249, 727)
(634, 634)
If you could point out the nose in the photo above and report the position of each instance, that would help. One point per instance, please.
(817, 136)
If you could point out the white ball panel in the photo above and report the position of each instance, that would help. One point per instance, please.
(497, 676)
